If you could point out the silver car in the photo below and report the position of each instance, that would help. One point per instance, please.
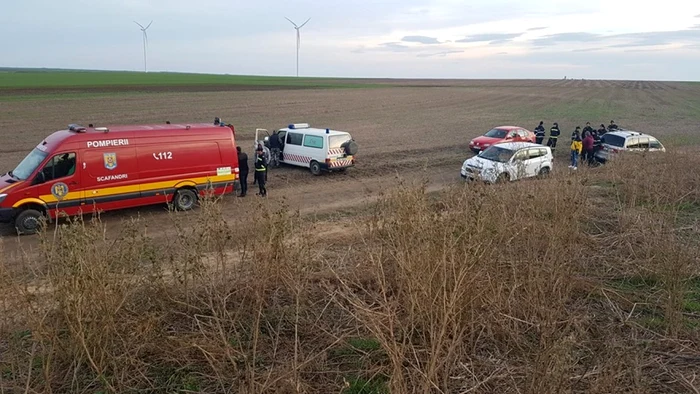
(614, 142)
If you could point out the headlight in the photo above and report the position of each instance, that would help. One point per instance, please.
(2, 197)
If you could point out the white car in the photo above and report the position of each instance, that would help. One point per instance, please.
(316, 149)
(614, 142)
(508, 161)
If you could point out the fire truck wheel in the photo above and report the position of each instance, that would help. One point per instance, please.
(29, 221)
(184, 200)
(315, 168)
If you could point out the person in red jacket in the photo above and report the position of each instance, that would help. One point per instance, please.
(588, 149)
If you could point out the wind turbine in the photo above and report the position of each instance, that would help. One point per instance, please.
(297, 28)
(145, 43)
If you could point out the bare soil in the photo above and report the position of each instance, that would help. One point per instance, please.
(414, 129)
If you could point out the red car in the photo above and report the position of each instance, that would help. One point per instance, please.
(501, 134)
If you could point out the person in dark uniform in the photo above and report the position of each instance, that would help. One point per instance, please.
(242, 171)
(275, 148)
(260, 170)
(554, 133)
(602, 130)
(576, 133)
(612, 126)
(587, 130)
(266, 161)
(539, 133)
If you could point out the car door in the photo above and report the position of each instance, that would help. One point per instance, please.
(521, 135)
(632, 144)
(111, 177)
(519, 165)
(58, 184)
(293, 149)
(536, 161)
(643, 143)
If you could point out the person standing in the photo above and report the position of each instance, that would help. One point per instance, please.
(588, 148)
(539, 133)
(576, 147)
(554, 133)
(266, 159)
(275, 149)
(612, 126)
(587, 130)
(602, 130)
(597, 143)
(242, 171)
(260, 170)
(577, 132)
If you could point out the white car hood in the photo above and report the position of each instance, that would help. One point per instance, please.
(480, 164)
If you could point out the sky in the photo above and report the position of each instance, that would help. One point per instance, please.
(590, 39)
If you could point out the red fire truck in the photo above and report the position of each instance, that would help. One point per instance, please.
(87, 169)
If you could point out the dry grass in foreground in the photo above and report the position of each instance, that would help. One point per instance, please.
(584, 282)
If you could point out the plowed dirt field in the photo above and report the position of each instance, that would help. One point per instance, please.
(405, 129)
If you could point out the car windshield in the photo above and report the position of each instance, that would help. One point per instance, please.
(25, 168)
(337, 141)
(614, 140)
(497, 133)
(496, 153)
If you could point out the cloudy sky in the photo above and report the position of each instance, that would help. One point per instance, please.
(615, 39)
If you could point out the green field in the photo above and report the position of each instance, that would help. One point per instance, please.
(69, 79)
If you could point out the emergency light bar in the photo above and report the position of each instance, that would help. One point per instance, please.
(299, 126)
(77, 128)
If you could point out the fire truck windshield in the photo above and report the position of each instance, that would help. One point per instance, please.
(27, 166)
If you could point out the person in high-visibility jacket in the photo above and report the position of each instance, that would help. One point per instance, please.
(576, 147)
(260, 170)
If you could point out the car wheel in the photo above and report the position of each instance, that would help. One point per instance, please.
(184, 200)
(503, 178)
(29, 222)
(315, 168)
(544, 172)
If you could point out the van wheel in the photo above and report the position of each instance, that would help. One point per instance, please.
(184, 200)
(29, 222)
(315, 168)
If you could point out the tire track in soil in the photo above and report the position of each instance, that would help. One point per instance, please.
(318, 195)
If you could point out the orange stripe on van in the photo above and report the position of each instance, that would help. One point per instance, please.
(163, 185)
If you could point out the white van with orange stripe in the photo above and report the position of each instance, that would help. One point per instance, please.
(317, 149)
